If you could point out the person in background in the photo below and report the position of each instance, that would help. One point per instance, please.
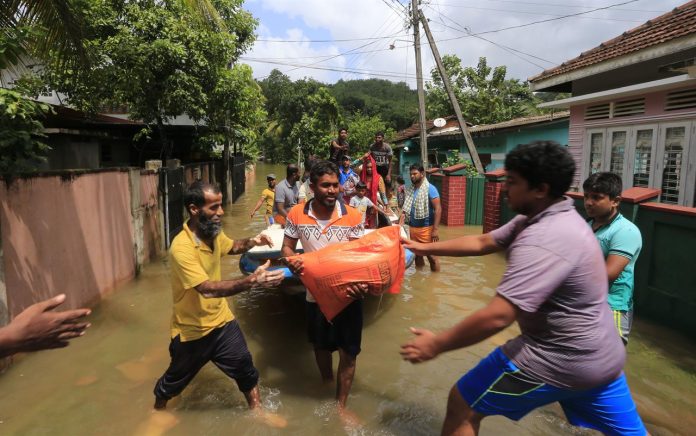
(620, 241)
(375, 188)
(267, 196)
(422, 212)
(382, 154)
(38, 327)
(400, 191)
(362, 203)
(339, 147)
(555, 288)
(287, 193)
(347, 179)
(305, 193)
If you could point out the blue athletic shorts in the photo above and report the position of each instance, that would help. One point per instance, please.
(496, 386)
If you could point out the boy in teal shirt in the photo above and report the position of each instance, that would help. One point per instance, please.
(620, 241)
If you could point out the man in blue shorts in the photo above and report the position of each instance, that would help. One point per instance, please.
(620, 241)
(555, 287)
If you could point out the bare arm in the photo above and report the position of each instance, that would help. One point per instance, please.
(436, 219)
(483, 323)
(288, 250)
(280, 205)
(262, 277)
(258, 205)
(615, 265)
(471, 245)
(243, 245)
(38, 327)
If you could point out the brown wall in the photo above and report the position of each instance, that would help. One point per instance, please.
(72, 235)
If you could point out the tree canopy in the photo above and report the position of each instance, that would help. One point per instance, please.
(484, 94)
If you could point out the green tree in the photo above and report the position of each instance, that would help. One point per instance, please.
(317, 126)
(362, 129)
(158, 58)
(484, 94)
(20, 132)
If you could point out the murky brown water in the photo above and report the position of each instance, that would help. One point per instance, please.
(102, 384)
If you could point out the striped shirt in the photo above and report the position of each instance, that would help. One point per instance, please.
(344, 225)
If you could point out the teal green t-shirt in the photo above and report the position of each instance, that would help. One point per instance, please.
(622, 238)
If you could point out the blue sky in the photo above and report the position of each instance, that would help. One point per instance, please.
(292, 33)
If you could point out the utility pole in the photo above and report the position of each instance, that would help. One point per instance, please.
(416, 13)
(453, 99)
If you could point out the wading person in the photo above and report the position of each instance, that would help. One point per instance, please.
(267, 196)
(555, 287)
(376, 191)
(317, 224)
(422, 212)
(287, 193)
(620, 241)
(347, 180)
(203, 327)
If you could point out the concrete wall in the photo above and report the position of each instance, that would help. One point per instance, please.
(74, 233)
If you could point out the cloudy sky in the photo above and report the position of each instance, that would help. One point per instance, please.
(351, 39)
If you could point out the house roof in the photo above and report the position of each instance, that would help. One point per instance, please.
(67, 117)
(452, 126)
(679, 22)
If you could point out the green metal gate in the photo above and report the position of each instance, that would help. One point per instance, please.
(473, 209)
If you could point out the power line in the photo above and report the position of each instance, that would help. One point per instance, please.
(546, 14)
(564, 5)
(508, 49)
(341, 70)
(329, 40)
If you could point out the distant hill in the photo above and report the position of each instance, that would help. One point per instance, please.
(395, 103)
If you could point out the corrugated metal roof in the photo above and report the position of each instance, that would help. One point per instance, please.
(679, 22)
(452, 126)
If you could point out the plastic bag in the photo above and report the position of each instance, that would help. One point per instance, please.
(377, 259)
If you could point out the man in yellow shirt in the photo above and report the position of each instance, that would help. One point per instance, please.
(203, 327)
(267, 195)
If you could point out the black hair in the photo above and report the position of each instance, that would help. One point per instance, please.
(543, 162)
(400, 180)
(195, 193)
(361, 185)
(320, 168)
(603, 183)
(342, 129)
(418, 167)
(291, 170)
(380, 134)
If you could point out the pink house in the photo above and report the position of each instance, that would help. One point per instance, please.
(633, 106)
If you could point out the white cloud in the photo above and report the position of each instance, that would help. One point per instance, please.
(555, 41)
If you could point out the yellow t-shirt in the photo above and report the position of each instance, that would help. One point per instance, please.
(192, 263)
(268, 195)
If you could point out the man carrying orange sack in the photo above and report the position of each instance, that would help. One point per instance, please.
(321, 222)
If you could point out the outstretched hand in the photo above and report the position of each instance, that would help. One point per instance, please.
(262, 239)
(421, 348)
(268, 279)
(418, 248)
(39, 328)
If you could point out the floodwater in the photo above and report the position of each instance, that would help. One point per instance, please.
(102, 384)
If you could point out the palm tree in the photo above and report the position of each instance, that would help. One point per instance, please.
(43, 27)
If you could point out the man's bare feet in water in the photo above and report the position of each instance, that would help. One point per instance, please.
(270, 419)
(349, 418)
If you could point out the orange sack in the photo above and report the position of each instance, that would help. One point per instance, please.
(377, 259)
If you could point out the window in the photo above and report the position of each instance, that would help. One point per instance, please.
(596, 149)
(658, 155)
(618, 150)
(672, 163)
(643, 156)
